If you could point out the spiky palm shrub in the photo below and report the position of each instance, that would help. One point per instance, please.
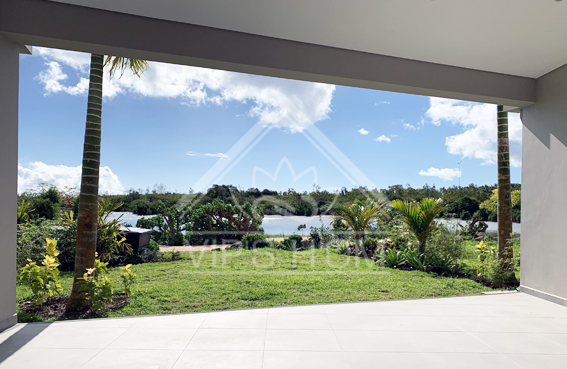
(358, 217)
(419, 217)
(88, 198)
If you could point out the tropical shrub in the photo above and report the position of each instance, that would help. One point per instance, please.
(219, 220)
(322, 236)
(293, 243)
(111, 242)
(486, 258)
(482, 214)
(416, 260)
(170, 223)
(97, 285)
(359, 216)
(445, 265)
(43, 280)
(419, 216)
(31, 242)
(339, 228)
(24, 211)
(254, 241)
(412, 259)
(341, 246)
(44, 208)
(128, 278)
(391, 258)
(45, 201)
(444, 242)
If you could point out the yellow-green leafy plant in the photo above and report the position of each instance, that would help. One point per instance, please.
(43, 280)
(24, 210)
(96, 285)
(128, 279)
(486, 257)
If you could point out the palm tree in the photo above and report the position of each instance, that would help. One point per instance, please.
(88, 197)
(359, 216)
(505, 251)
(419, 217)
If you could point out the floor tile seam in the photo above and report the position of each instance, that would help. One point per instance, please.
(104, 348)
(91, 358)
(485, 343)
(264, 343)
(187, 345)
(333, 329)
(555, 343)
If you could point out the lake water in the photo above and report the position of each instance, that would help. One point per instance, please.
(272, 224)
(278, 224)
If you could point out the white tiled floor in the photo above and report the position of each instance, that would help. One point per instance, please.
(490, 331)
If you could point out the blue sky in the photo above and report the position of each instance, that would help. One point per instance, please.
(174, 124)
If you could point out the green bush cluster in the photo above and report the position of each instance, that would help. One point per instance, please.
(111, 243)
(205, 224)
(411, 259)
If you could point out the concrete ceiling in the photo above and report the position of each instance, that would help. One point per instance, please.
(518, 37)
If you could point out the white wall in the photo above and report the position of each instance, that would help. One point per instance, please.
(9, 62)
(544, 188)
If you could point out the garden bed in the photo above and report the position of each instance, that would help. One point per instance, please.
(54, 309)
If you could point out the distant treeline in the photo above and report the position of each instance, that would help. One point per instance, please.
(460, 202)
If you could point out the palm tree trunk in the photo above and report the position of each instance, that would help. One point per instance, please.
(421, 247)
(505, 251)
(88, 198)
(356, 244)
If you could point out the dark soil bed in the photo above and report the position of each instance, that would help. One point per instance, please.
(54, 308)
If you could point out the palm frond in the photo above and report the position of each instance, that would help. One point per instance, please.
(118, 63)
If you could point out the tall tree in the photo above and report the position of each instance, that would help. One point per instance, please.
(505, 251)
(88, 198)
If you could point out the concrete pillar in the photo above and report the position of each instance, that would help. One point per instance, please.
(544, 190)
(9, 76)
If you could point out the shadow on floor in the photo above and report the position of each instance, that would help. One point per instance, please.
(17, 337)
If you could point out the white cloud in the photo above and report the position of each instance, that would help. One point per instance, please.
(362, 131)
(446, 174)
(31, 176)
(382, 103)
(52, 78)
(383, 138)
(410, 126)
(209, 155)
(478, 140)
(73, 59)
(293, 105)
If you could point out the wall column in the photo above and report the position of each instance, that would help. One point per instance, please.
(9, 77)
(544, 190)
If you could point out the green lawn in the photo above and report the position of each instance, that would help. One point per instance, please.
(250, 279)
(470, 257)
